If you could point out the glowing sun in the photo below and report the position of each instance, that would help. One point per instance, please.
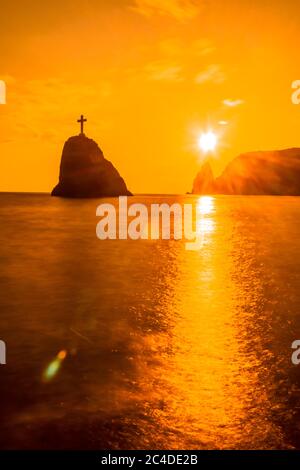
(208, 141)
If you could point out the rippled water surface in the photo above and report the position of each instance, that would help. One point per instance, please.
(160, 347)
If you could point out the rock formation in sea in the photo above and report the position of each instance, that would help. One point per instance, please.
(203, 183)
(254, 173)
(85, 173)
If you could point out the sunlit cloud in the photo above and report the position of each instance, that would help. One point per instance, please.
(178, 9)
(202, 47)
(174, 58)
(161, 71)
(175, 47)
(212, 73)
(232, 103)
(39, 108)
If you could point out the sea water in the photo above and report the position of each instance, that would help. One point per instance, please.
(149, 345)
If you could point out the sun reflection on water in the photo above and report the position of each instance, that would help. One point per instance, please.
(206, 205)
(205, 223)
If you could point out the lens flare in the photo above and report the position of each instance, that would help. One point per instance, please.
(54, 366)
(208, 141)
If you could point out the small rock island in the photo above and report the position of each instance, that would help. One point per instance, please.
(255, 173)
(85, 173)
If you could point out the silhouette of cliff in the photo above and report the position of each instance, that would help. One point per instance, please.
(255, 173)
(85, 173)
(203, 183)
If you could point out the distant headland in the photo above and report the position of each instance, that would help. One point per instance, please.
(85, 173)
(254, 173)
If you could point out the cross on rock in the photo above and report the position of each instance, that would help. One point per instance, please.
(82, 120)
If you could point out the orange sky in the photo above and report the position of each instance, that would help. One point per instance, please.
(149, 75)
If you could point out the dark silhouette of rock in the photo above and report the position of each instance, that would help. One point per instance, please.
(255, 173)
(203, 183)
(85, 173)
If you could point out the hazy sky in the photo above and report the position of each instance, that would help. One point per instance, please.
(150, 75)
